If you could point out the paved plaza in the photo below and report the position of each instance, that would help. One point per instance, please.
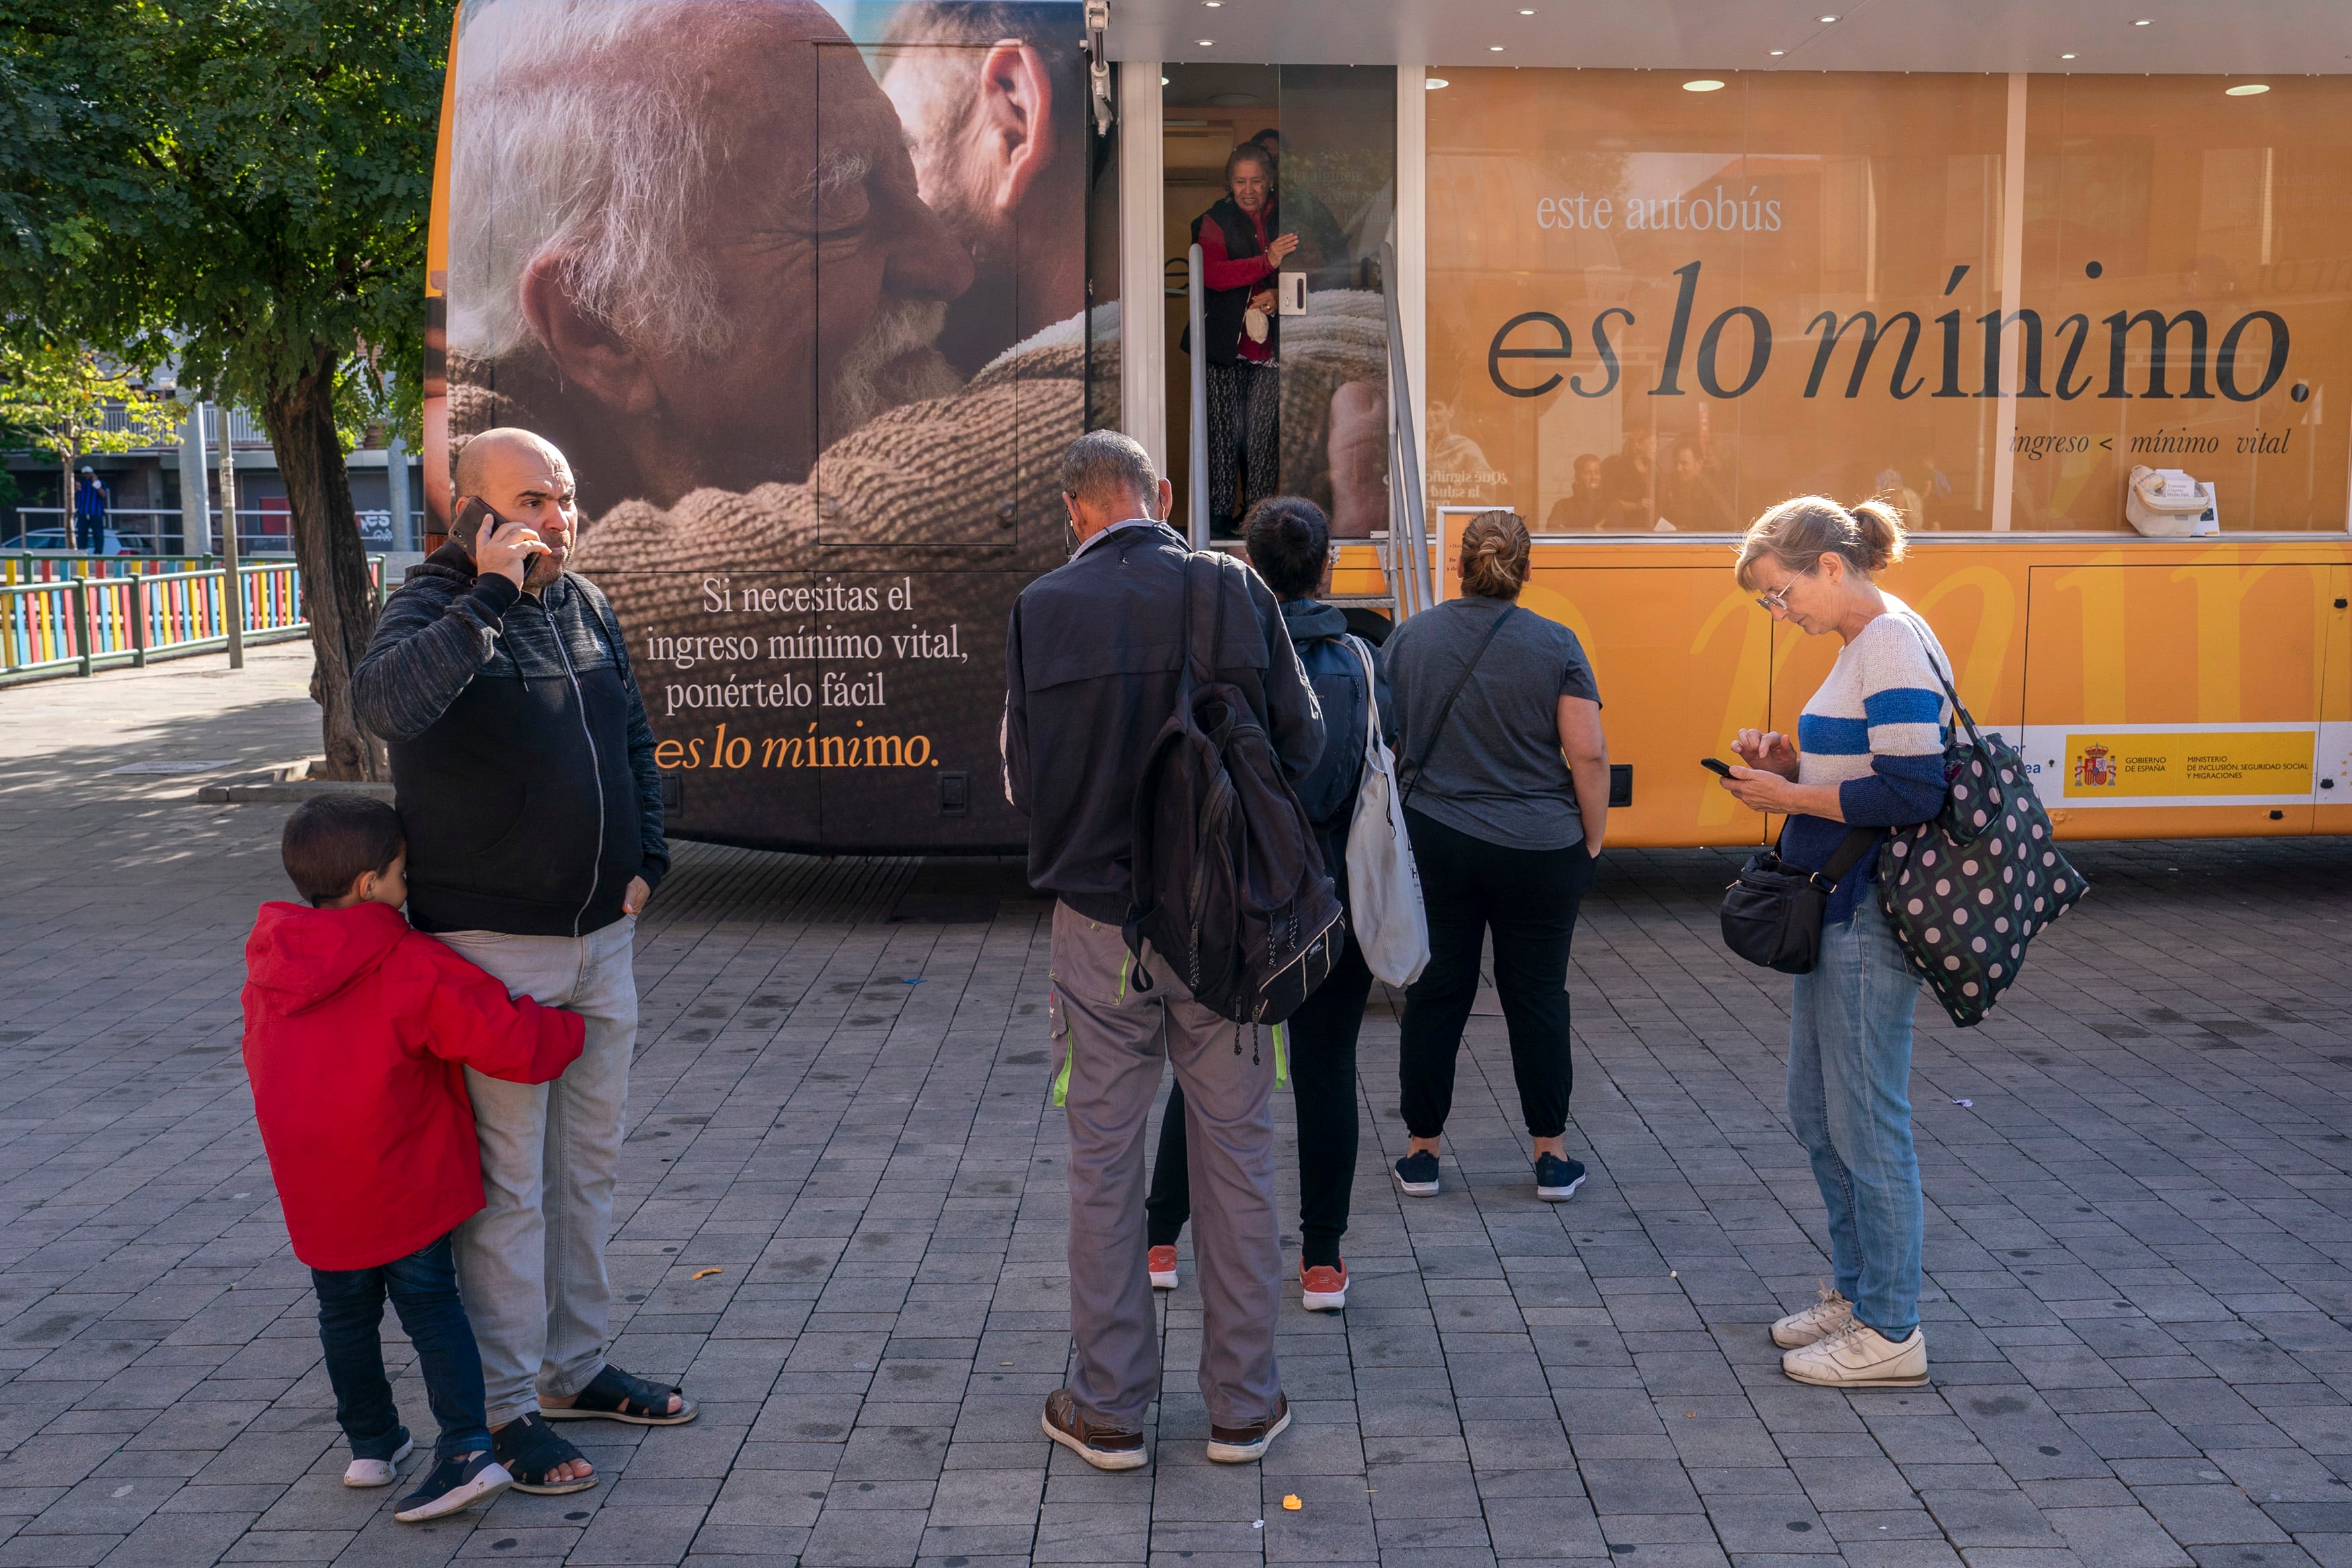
(2139, 1243)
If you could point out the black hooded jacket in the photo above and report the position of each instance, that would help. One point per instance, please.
(522, 764)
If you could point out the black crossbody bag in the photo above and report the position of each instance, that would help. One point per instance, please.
(1772, 912)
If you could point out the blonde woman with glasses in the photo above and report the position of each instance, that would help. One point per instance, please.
(1869, 753)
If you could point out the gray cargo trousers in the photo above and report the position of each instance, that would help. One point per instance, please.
(1109, 1039)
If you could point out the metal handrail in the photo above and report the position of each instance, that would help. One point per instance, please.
(1197, 488)
(1413, 573)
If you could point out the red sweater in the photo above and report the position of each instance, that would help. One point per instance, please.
(1221, 271)
(357, 1034)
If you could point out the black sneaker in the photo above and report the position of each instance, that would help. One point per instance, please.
(457, 1482)
(1557, 1179)
(1417, 1174)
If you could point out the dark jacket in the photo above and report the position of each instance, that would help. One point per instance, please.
(1092, 656)
(1328, 790)
(1221, 309)
(521, 761)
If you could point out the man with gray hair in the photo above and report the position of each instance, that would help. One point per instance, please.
(662, 252)
(1093, 659)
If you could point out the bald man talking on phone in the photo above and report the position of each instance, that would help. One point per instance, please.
(522, 767)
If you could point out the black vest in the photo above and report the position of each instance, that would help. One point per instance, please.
(1221, 309)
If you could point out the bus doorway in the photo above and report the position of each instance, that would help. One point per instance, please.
(1282, 389)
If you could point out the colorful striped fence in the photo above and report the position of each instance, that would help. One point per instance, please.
(78, 625)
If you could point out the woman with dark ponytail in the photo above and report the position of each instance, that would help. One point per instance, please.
(1869, 754)
(1506, 775)
(1289, 543)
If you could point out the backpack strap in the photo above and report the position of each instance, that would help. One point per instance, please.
(1445, 709)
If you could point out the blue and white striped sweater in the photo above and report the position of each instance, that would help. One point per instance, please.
(1876, 729)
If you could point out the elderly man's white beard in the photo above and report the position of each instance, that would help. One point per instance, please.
(894, 364)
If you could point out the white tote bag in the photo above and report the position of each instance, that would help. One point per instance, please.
(1383, 885)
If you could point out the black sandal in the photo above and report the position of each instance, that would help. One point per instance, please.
(530, 1450)
(616, 1395)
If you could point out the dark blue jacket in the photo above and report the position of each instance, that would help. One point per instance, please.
(1328, 792)
(1092, 659)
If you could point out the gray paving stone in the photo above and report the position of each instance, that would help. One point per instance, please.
(2139, 1247)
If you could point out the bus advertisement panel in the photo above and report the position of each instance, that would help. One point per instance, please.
(807, 313)
(1660, 302)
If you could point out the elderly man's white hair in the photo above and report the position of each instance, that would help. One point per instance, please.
(577, 132)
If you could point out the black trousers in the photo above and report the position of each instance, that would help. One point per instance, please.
(1322, 1040)
(1528, 898)
(1244, 439)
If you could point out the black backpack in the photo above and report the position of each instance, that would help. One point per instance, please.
(1230, 887)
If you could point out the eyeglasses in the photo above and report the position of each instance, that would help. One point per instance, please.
(1778, 600)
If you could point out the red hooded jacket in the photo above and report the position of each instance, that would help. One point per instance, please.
(357, 1033)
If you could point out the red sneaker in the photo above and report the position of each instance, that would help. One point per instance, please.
(1324, 1289)
(1163, 1268)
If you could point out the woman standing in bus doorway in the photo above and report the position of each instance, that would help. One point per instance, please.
(1240, 253)
(1506, 797)
(1869, 754)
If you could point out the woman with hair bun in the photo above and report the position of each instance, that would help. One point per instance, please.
(1869, 753)
(1506, 776)
(1289, 543)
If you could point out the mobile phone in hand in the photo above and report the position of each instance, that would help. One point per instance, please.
(1712, 765)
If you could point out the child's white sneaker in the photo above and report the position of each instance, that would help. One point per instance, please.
(378, 1472)
(1859, 1356)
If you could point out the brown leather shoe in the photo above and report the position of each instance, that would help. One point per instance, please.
(1240, 1445)
(1104, 1448)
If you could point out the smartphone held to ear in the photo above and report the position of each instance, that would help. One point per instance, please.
(1722, 769)
(478, 520)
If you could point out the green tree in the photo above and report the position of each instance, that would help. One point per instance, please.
(74, 403)
(244, 183)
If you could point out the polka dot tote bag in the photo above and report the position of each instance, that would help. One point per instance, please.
(1966, 892)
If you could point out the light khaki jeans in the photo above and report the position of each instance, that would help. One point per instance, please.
(531, 1265)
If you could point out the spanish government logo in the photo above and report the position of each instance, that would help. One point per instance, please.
(2095, 768)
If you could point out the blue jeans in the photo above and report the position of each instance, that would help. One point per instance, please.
(1850, 1096)
(424, 1289)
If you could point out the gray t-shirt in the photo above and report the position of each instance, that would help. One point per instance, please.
(1495, 771)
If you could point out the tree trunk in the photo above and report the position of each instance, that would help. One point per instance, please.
(336, 593)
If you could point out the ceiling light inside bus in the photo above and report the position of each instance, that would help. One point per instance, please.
(1705, 84)
(2247, 88)
(1434, 83)
(1206, 43)
(2066, 57)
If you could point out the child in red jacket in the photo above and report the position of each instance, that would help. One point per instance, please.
(357, 1034)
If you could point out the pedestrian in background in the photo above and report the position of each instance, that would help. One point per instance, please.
(1506, 797)
(1289, 543)
(1869, 752)
(90, 506)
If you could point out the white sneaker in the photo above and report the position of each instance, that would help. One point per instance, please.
(377, 1472)
(1860, 1358)
(1826, 1317)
